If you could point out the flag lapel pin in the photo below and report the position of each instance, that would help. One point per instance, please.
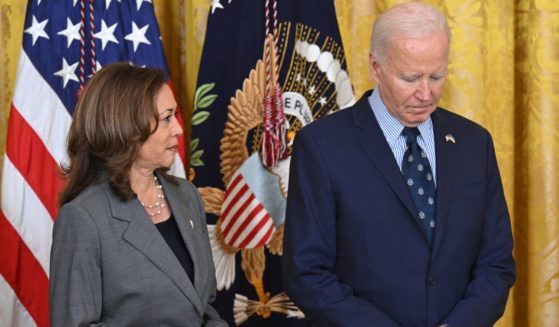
(449, 138)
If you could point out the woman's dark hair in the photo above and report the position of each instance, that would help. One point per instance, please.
(113, 118)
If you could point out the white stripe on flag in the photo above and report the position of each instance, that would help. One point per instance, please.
(241, 218)
(27, 214)
(260, 235)
(234, 207)
(177, 169)
(229, 193)
(42, 109)
(254, 221)
(11, 310)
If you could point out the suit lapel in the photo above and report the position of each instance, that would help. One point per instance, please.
(446, 164)
(186, 218)
(374, 143)
(144, 236)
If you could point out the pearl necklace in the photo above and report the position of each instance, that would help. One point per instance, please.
(159, 204)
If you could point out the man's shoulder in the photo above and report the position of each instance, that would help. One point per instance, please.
(334, 119)
(458, 122)
(339, 119)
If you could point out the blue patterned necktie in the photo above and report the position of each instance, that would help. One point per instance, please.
(419, 178)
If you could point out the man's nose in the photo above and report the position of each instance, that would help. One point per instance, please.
(423, 91)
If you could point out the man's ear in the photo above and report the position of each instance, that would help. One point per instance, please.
(374, 66)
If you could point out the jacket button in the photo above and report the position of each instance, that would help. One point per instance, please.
(432, 281)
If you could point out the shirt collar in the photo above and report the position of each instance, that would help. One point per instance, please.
(391, 127)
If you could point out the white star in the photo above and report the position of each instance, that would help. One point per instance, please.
(37, 29)
(216, 4)
(75, 1)
(67, 72)
(138, 35)
(312, 90)
(106, 34)
(322, 101)
(107, 3)
(139, 3)
(72, 32)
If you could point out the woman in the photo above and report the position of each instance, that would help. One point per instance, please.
(130, 245)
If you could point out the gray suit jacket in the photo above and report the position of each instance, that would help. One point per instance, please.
(110, 266)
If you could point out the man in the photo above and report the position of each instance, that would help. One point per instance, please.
(396, 214)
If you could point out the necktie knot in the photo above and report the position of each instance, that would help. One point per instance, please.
(411, 134)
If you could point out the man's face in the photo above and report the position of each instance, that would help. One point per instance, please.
(412, 75)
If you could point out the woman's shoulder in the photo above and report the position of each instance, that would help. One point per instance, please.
(93, 194)
(89, 201)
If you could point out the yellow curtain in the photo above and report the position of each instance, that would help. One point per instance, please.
(504, 74)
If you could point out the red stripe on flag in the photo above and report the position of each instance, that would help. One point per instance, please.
(233, 184)
(268, 234)
(239, 214)
(247, 220)
(182, 151)
(32, 159)
(255, 230)
(23, 273)
(236, 196)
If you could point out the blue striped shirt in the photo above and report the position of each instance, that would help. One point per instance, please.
(392, 130)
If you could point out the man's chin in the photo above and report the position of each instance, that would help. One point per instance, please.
(422, 115)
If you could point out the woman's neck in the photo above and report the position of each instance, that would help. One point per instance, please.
(141, 181)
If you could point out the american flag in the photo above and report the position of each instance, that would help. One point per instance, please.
(246, 224)
(64, 43)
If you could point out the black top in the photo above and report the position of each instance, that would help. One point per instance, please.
(170, 232)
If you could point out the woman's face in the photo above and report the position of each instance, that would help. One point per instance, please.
(159, 150)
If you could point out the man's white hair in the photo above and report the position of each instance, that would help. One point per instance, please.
(412, 19)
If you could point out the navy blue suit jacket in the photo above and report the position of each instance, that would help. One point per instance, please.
(354, 255)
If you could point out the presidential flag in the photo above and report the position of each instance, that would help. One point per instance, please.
(268, 68)
(64, 44)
